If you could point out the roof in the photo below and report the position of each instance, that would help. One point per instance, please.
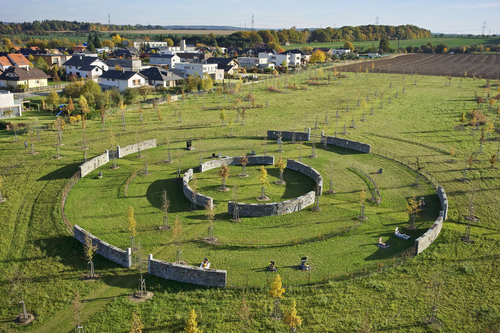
(81, 61)
(119, 75)
(4, 61)
(222, 62)
(158, 55)
(19, 74)
(155, 73)
(18, 59)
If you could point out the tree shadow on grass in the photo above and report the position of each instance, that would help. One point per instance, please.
(62, 173)
(178, 201)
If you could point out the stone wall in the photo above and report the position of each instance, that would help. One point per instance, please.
(108, 251)
(354, 145)
(199, 199)
(273, 208)
(124, 151)
(288, 135)
(430, 235)
(253, 159)
(93, 164)
(187, 274)
(308, 171)
(444, 201)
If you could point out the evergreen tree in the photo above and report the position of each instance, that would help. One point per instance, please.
(97, 42)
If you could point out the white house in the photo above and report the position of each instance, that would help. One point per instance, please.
(8, 106)
(341, 51)
(121, 80)
(249, 62)
(166, 60)
(86, 67)
(292, 59)
(160, 77)
(200, 69)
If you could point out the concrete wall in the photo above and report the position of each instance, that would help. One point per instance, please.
(354, 145)
(187, 274)
(287, 135)
(108, 251)
(124, 151)
(273, 208)
(308, 171)
(199, 199)
(430, 235)
(255, 159)
(94, 163)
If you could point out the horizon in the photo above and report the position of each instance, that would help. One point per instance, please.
(460, 18)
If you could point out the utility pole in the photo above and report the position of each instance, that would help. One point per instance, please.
(109, 19)
(252, 23)
(376, 21)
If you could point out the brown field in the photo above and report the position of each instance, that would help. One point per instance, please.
(479, 65)
(174, 32)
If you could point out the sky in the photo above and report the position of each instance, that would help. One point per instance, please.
(446, 16)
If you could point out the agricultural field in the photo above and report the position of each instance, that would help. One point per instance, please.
(448, 40)
(456, 65)
(365, 290)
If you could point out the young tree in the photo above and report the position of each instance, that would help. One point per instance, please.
(89, 250)
(348, 45)
(165, 206)
(470, 161)
(292, 319)
(1, 199)
(71, 107)
(281, 166)
(412, 208)
(210, 216)
(222, 116)
(137, 325)
(493, 159)
(362, 199)
(192, 324)
(132, 225)
(144, 91)
(84, 106)
(244, 162)
(276, 291)
(244, 315)
(224, 174)
(77, 308)
(264, 182)
(177, 234)
(52, 99)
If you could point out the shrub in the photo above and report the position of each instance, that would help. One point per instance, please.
(477, 117)
(72, 120)
(78, 118)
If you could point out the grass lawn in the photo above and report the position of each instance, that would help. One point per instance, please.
(423, 123)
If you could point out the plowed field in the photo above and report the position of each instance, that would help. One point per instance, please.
(484, 66)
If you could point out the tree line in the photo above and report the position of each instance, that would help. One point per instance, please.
(368, 33)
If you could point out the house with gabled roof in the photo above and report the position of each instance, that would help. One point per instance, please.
(4, 63)
(86, 67)
(160, 77)
(19, 60)
(229, 65)
(165, 60)
(31, 77)
(121, 80)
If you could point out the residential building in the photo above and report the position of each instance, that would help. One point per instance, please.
(125, 53)
(121, 80)
(4, 63)
(158, 77)
(196, 57)
(18, 60)
(31, 78)
(229, 65)
(86, 67)
(166, 60)
(291, 59)
(250, 62)
(9, 107)
(340, 51)
(200, 69)
(126, 64)
(53, 59)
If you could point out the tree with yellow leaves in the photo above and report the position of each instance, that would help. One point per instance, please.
(292, 319)
(122, 109)
(192, 324)
(177, 235)
(490, 127)
(137, 325)
(317, 56)
(276, 291)
(132, 225)
(264, 182)
(224, 174)
(281, 166)
(89, 250)
(493, 159)
(412, 209)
